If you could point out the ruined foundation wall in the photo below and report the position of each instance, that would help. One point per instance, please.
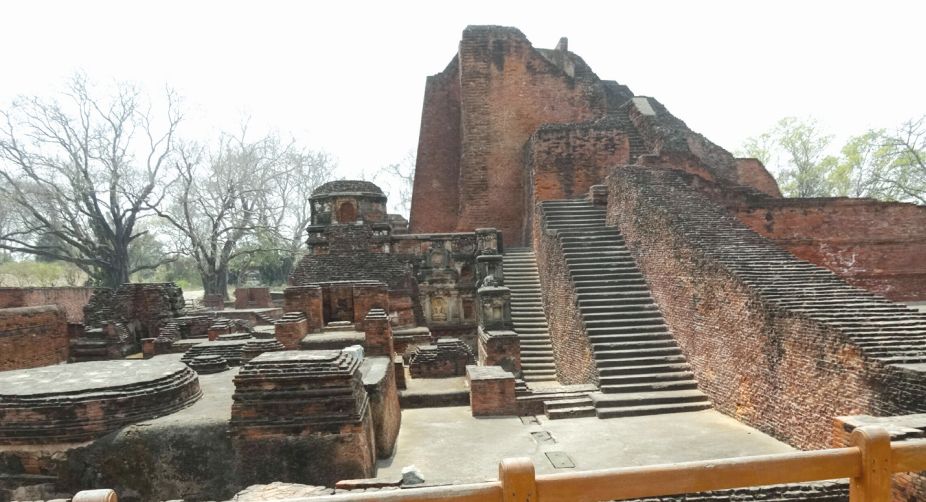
(874, 245)
(69, 300)
(572, 352)
(770, 366)
(32, 337)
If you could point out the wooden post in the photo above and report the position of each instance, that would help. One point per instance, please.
(874, 483)
(518, 481)
(103, 495)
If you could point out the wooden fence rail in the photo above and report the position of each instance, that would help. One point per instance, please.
(868, 463)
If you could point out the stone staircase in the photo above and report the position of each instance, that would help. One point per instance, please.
(530, 323)
(641, 368)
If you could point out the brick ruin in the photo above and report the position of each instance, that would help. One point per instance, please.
(430, 279)
(76, 402)
(573, 250)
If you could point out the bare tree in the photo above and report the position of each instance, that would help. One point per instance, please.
(219, 199)
(906, 174)
(289, 211)
(399, 179)
(80, 172)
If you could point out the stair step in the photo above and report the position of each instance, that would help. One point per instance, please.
(657, 409)
(647, 398)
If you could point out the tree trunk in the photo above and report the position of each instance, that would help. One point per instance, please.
(117, 273)
(215, 282)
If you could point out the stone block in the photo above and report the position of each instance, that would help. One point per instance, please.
(500, 348)
(491, 391)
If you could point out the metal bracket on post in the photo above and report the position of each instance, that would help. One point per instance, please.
(874, 482)
(518, 481)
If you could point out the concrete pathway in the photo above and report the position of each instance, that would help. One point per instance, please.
(449, 445)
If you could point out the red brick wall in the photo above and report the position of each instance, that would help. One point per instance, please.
(879, 246)
(435, 205)
(251, 298)
(563, 162)
(770, 367)
(575, 361)
(70, 300)
(751, 172)
(491, 99)
(32, 337)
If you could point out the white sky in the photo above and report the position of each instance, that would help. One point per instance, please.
(349, 77)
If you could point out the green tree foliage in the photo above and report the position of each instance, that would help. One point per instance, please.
(878, 163)
(906, 173)
(803, 166)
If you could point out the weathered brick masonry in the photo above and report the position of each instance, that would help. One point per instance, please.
(70, 300)
(436, 202)
(32, 336)
(879, 246)
(497, 65)
(575, 361)
(498, 92)
(815, 347)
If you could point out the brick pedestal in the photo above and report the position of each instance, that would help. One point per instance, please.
(500, 348)
(291, 329)
(491, 391)
(378, 333)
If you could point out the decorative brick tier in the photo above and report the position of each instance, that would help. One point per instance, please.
(205, 365)
(303, 414)
(230, 350)
(234, 336)
(291, 328)
(78, 402)
(446, 358)
(262, 342)
(299, 392)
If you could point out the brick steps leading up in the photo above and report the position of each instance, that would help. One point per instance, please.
(642, 371)
(530, 322)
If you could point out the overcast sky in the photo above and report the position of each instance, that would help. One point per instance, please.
(349, 77)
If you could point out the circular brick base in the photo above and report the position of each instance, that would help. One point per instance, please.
(77, 402)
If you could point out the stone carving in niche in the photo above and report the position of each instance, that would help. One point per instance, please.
(438, 309)
(438, 258)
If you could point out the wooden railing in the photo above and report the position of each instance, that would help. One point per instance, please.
(868, 463)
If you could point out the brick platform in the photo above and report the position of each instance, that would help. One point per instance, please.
(77, 402)
(307, 407)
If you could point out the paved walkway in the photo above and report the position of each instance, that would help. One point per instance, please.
(448, 444)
